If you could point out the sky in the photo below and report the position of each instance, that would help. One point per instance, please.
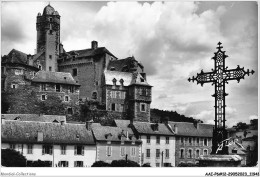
(173, 40)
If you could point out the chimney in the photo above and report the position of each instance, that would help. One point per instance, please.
(88, 124)
(94, 44)
(3, 120)
(127, 135)
(62, 122)
(195, 123)
(143, 75)
(175, 129)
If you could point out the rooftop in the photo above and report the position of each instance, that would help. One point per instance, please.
(54, 77)
(189, 129)
(28, 132)
(110, 75)
(123, 65)
(34, 117)
(15, 56)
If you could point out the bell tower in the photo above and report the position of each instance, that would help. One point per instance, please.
(48, 37)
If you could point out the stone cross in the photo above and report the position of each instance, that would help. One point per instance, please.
(220, 76)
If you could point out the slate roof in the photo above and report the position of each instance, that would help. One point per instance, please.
(34, 117)
(54, 77)
(27, 132)
(123, 64)
(137, 80)
(49, 10)
(15, 56)
(123, 124)
(188, 129)
(110, 75)
(108, 133)
(89, 52)
(144, 127)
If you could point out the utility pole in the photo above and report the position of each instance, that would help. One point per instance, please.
(126, 158)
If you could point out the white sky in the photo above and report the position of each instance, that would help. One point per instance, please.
(173, 40)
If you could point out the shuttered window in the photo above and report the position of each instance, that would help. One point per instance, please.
(78, 150)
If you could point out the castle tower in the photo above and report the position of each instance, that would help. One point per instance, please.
(140, 97)
(48, 37)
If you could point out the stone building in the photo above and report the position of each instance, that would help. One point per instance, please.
(60, 144)
(158, 142)
(114, 143)
(192, 140)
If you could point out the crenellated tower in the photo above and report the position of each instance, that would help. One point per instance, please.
(48, 38)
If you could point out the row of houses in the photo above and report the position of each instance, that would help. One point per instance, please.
(75, 144)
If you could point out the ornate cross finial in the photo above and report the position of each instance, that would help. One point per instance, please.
(219, 46)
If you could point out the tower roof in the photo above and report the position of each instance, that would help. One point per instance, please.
(49, 10)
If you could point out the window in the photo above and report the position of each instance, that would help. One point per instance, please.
(148, 153)
(50, 19)
(142, 80)
(43, 87)
(197, 153)
(157, 153)
(40, 67)
(57, 87)
(113, 106)
(157, 164)
(29, 149)
(167, 140)
(18, 72)
(234, 151)
(74, 72)
(12, 146)
(78, 163)
(205, 152)
(167, 153)
(122, 95)
(46, 149)
(198, 141)
(182, 140)
(50, 31)
(157, 139)
(113, 94)
(14, 86)
(63, 150)
(148, 140)
(133, 151)
(43, 97)
(182, 153)
(122, 108)
(50, 56)
(71, 89)
(190, 154)
(114, 83)
(143, 92)
(50, 68)
(66, 98)
(78, 150)
(94, 95)
(109, 151)
(143, 107)
(122, 151)
(205, 142)
(69, 110)
(63, 163)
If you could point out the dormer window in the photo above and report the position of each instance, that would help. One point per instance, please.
(121, 83)
(141, 79)
(114, 83)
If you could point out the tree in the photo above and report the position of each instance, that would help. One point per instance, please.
(123, 163)
(39, 163)
(146, 165)
(100, 164)
(12, 158)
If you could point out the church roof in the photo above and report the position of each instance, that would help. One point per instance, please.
(110, 75)
(27, 132)
(89, 52)
(34, 117)
(54, 77)
(15, 56)
(188, 129)
(49, 10)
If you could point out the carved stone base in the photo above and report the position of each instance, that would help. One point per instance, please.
(220, 161)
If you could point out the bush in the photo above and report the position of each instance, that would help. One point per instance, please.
(12, 158)
(146, 165)
(100, 164)
(39, 163)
